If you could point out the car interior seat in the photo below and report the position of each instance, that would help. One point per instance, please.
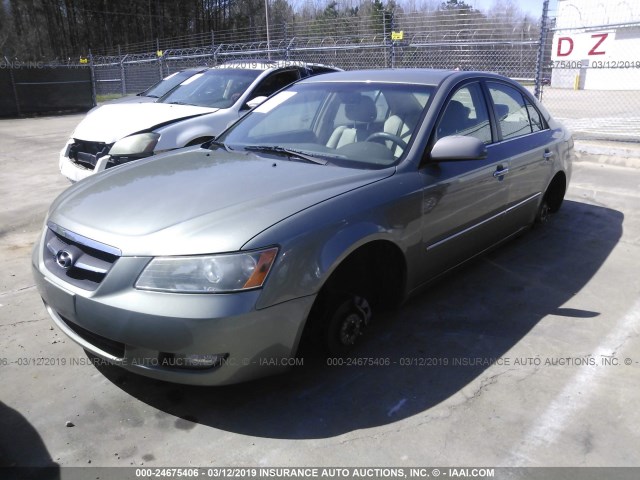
(502, 110)
(402, 127)
(454, 120)
(361, 111)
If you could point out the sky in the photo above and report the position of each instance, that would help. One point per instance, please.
(532, 7)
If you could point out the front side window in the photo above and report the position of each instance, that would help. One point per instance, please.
(466, 114)
(275, 82)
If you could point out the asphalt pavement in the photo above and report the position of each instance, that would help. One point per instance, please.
(525, 357)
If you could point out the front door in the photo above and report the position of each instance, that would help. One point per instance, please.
(463, 201)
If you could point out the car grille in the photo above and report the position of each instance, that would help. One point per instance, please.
(77, 260)
(86, 154)
(105, 344)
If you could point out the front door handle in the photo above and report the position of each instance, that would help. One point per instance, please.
(501, 172)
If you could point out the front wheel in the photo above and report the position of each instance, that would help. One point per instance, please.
(345, 322)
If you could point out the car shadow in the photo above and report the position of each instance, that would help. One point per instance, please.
(23, 456)
(469, 318)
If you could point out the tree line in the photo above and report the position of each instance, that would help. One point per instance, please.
(62, 30)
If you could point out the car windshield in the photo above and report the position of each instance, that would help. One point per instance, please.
(359, 125)
(217, 88)
(162, 87)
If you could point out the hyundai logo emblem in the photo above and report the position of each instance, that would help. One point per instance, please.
(64, 259)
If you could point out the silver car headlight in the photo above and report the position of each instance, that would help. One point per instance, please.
(208, 273)
(135, 146)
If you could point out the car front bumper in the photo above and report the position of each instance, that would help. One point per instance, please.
(138, 330)
(75, 172)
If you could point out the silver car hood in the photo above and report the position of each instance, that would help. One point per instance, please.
(197, 201)
(109, 123)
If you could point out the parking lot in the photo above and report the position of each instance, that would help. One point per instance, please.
(596, 114)
(529, 356)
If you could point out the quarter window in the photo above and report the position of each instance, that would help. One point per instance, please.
(537, 123)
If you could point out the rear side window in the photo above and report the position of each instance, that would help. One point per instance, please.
(515, 116)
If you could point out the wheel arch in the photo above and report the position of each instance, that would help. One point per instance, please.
(375, 270)
(377, 263)
(554, 194)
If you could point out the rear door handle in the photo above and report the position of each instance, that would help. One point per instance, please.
(500, 173)
(548, 155)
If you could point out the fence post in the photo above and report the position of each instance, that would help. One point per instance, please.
(93, 79)
(393, 43)
(540, 58)
(213, 47)
(384, 38)
(123, 78)
(159, 58)
(13, 87)
(286, 51)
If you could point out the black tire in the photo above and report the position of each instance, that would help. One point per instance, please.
(544, 212)
(346, 318)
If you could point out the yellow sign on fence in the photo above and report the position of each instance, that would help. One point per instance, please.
(84, 60)
(397, 35)
(159, 53)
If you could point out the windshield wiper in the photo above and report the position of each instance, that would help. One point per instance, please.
(286, 151)
(215, 143)
(180, 103)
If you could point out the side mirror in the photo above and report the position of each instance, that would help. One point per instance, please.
(456, 148)
(254, 102)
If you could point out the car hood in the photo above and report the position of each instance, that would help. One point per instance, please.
(197, 201)
(113, 122)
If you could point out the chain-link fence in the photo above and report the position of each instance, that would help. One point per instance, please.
(592, 70)
(435, 39)
(582, 59)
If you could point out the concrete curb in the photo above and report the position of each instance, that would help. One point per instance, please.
(621, 154)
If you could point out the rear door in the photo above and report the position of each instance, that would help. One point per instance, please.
(528, 144)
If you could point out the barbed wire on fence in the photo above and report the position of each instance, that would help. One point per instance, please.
(468, 40)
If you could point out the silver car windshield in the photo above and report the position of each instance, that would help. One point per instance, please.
(165, 85)
(219, 88)
(359, 125)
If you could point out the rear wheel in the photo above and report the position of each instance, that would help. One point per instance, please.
(552, 199)
(544, 212)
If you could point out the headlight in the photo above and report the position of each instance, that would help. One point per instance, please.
(135, 146)
(208, 273)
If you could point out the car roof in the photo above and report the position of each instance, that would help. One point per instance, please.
(419, 76)
(263, 64)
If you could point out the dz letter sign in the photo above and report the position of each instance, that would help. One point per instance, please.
(581, 46)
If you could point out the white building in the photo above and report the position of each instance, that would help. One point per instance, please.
(596, 45)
